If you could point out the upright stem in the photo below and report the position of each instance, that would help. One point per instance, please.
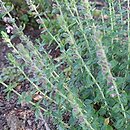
(128, 30)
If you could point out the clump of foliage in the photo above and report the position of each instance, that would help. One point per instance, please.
(89, 79)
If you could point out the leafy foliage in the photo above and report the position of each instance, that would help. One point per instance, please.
(89, 79)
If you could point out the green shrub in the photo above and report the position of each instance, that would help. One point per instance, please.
(89, 79)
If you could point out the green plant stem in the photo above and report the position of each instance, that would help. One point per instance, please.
(78, 54)
(120, 8)
(79, 23)
(32, 103)
(112, 15)
(16, 27)
(114, 83)
(72, 40)
(128, 31)
(28, 78)
(37, 88)
(111, 9)
(61, 94)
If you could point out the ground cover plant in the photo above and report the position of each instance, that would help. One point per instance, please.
(75, 75)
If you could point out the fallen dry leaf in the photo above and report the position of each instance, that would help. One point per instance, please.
(37, 97)
(106, 121)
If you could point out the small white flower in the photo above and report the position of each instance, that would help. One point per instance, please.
(5, 19)
(28, 2)
(8, 20)
(112, 88)
(113, 95)
(39, 21)
(9, 29)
